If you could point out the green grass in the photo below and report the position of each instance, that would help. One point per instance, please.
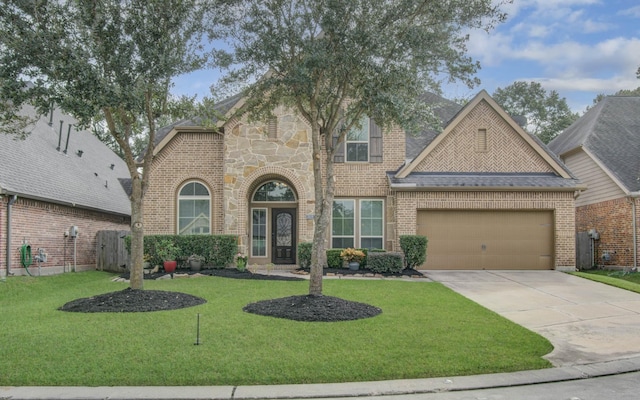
(628, 281)
(425, 330)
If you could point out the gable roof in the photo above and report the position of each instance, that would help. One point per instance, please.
(444, 109)
(610, 133)
(33, 168)
(559, 179)
(166, 133)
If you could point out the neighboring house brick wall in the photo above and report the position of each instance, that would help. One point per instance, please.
(43, 225)
(612, 219)
(188, 156)
(408, 204)
(506, 152)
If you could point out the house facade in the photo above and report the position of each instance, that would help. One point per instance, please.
(255, 180)
(58, 188)
(602, 149)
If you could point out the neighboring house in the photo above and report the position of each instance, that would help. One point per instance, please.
(603, 149)
(58, 178)
(487, 194)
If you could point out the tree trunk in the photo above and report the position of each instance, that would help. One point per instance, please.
(324, 193)
(137, 235)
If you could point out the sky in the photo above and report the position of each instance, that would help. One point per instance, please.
(579, 48)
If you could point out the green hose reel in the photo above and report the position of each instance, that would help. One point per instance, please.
(25, 257)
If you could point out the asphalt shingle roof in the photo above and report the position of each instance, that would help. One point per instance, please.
(611, 132)
(453, 180)
(33, 168)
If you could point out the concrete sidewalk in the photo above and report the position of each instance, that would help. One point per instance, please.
(330, 390)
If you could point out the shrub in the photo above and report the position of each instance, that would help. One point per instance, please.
(415, 250)
(385, 262)
(218, 250)
(304, 254)
(333, 258)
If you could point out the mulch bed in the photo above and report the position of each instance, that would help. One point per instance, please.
(297, 308)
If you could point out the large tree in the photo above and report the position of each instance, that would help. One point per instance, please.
(110, 60)
(335, 61)
(547, 113)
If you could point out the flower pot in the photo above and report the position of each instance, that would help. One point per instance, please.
(354, 265)
(170, 266)
(195, 265)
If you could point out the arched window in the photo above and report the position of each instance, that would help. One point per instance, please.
(194, 209)
(274, 191)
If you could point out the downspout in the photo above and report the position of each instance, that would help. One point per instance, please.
(633, 196)
(12, 199)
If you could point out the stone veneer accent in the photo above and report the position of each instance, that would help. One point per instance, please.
(408, 204)
(252, 158)
(613, 220)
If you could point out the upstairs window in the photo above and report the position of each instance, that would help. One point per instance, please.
(357, 142)
(194, 209)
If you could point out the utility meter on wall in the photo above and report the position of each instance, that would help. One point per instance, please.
(73, 232)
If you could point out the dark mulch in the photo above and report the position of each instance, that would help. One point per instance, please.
(224, 273)
(313, 309)
(347, 272)
(131, 300)
(298, 308)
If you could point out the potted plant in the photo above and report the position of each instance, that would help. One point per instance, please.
(241, 261)
(195, 262)
(353, 257)
(168, 251)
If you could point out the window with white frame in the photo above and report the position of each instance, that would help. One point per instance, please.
(259, 232)
(357, 142)
(194, 209)
(357, 223)
(342, 224)
(371, 224)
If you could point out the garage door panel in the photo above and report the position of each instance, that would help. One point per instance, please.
(487, 239)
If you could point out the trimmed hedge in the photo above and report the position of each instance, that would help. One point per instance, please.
(218, 250)
(333, 256)
(385, 262)
(415, 250)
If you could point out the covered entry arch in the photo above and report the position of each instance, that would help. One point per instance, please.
(272, 221)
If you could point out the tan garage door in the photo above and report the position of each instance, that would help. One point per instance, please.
(487, 239)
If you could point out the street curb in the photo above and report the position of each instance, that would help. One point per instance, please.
(327, 390)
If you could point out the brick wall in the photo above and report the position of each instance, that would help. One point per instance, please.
(408, 204)
(43, 225)
(188, 156)
(613, 221)
(506, 150)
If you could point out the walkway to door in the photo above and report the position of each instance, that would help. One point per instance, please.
(586, 321)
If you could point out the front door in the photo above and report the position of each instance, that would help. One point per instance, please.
(283, 236)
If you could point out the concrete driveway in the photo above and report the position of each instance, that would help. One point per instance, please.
(585, 321)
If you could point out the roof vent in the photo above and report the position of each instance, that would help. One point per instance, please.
(80, 153)
(112, 165)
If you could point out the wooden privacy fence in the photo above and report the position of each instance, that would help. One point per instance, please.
(111, 253)
(584, 252)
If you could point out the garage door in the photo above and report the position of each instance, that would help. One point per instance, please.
(487, 239)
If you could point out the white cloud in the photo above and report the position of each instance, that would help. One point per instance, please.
(633, 11)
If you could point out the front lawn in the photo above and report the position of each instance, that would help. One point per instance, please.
(425, 330)
(621, 279)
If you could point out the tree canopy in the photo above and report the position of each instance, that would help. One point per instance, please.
(547, 113)
(335, 61)
(107, 60)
